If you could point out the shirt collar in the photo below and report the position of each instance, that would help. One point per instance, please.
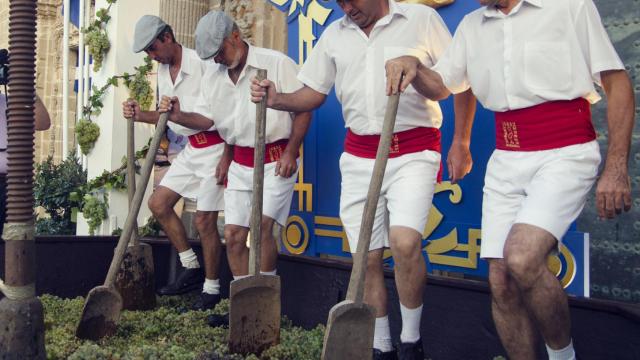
(252, 59)
(394, 10)
(490, 12)
(188, 63)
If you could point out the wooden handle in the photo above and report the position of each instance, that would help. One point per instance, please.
(131, 174)
(355, 292)
(258, 182)
(137, 201)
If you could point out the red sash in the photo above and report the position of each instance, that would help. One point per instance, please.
(402, 143)
(205, 139)
(244, 155)
(546, 126)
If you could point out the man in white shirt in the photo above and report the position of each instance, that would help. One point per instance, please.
(193, 173)
(226, 103)
(535, 64)
(350, 55)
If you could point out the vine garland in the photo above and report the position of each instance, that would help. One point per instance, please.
(96, 36)
(140, 89)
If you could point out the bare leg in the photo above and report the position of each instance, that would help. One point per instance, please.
(237, 250)
(375, 292)
(161, 204)
(410, 269)
(525, 254)
(268, 248)
(513, 322)
(206, 223)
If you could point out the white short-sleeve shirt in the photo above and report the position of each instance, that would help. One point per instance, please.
(345, 57)
(229, 105)
(543, 50)
(186, 86)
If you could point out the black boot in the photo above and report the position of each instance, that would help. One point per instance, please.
(206, 302)
(216, 320)
(188, 280)
(379, 355)
(411, 351)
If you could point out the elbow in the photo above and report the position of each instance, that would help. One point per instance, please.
(442, 94)
(43, 122)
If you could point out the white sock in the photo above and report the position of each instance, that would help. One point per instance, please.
(563, 354)
(410, 324)
(240, 277)
(268, 272)
(189, 259)
(382, 335)
(211, 287)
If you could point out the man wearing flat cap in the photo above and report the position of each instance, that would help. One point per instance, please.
(199, 170)
(226, 102)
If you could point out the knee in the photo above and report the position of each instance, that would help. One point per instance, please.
(267, 227)
(157, 205)
(405, 249)
(521, 267)
(375, 263)
(234, 239)
(205, 221)
(503, 288)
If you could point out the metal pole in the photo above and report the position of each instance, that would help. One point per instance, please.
(21, 313)
(80, 69)
(65, 80)
(87, 66)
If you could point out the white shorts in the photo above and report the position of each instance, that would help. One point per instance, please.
(405, 197)
(547, 189)
(276, 194)
(192, 175)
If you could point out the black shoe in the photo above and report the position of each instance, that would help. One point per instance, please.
(389, 355)
(216, 320)
(188, 280)
(411, 351)
(206, 302)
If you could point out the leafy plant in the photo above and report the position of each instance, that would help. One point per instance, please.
(96, 36)
(88, 133)
(58, 189)
(139, 86)
(168, 332)
(94, 211)
(140, 89)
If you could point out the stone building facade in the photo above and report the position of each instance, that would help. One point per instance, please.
(261, 23)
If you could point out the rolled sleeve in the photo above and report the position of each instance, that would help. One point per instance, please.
(319, 71)
(452, 65)
(594, 41)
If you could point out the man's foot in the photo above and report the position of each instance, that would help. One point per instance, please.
(389, 355)
(188, 280)
(216, 320)
(206, 302)
(411, 351)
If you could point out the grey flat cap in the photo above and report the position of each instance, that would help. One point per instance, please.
(147, 30)
(211, 31)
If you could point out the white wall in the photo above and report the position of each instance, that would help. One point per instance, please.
(111, 146)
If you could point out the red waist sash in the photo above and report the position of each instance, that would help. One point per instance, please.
(402, 143)
(244, 155)
(546, 126)
(205, 139)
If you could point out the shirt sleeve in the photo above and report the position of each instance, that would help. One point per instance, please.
(597, 49)
(452, 65)
(287, 80)
(203, 105)
(437, 37)
(319, 71)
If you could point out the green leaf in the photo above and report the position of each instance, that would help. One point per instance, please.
(74, 215)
